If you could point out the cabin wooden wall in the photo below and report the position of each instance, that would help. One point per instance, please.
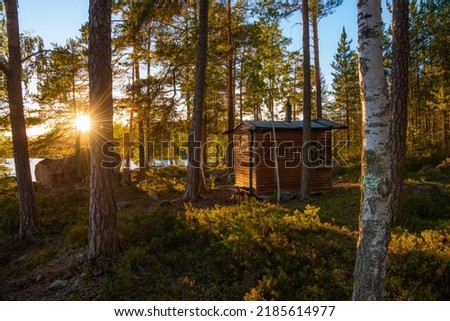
(241, 161)
(289, 161)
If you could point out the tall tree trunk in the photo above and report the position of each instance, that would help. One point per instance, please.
(127, 138)
(141, 112)
(446, 125)
(204, 154)
(27, 203)
(148, 105)
(399, 99)
(126, 177)
(194, 149)
(374, 220)
(318, 83)
(347, 122)
(241, 85)
(141, 149)
(230, 89)
(102, 209)
(76, 112)
(306, 101)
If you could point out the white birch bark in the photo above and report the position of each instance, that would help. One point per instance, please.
(371, 258)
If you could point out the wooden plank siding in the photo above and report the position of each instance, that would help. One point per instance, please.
(289, 160)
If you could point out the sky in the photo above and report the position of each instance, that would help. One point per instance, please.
(57, 20)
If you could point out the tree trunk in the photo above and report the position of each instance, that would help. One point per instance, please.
(141, 144)
(102, 209)
(27, 204)
(194, 149)
(126, 177)
(374, 220)
(399, 99)
(318, 83)
(126, 162)
(306, 101)
(141, 113)
(230, 90)
(347, 122)
(204, 155)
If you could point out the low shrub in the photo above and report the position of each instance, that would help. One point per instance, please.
(9, 204)
(58, 209)
(430, 206)
(419, 266)
(281, 252)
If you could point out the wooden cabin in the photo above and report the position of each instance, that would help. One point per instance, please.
(260, 145)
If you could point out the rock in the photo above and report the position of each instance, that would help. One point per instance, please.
(153, 197)
(38, 278)
(58, 284)
(76, 284)
(70, 171)
(80, 257)
(124, 205)
(22, 258)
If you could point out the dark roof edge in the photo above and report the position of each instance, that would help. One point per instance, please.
(281, 125)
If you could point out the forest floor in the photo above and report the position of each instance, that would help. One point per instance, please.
(218, 250)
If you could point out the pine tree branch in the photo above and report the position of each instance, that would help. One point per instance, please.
(41, 52)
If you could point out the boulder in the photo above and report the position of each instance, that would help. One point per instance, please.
(70, 171)
(58, 284)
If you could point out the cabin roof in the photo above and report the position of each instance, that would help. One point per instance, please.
(249, 125)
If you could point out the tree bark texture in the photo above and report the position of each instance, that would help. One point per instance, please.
(102, 209)
(192, 191)
(230, 89)
(399, 99)
(306, 100)
(318, 83)
(27, 203)
(374, 220)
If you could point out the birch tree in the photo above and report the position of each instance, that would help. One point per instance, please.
(375, 217)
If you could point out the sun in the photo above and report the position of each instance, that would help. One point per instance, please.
(83, 123)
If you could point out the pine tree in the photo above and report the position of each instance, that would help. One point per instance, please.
(13, 69)
(345, 86)
(306, 102)
(103, 241)
(193, 177)
(319, 9)
(62, 94)
(399, 99)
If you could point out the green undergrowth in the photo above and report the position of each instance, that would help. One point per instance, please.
(262, 251)
(340, 206)
(419, 266)
(249, 251)
(253, 251)
(9, 218)
(163, 181)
